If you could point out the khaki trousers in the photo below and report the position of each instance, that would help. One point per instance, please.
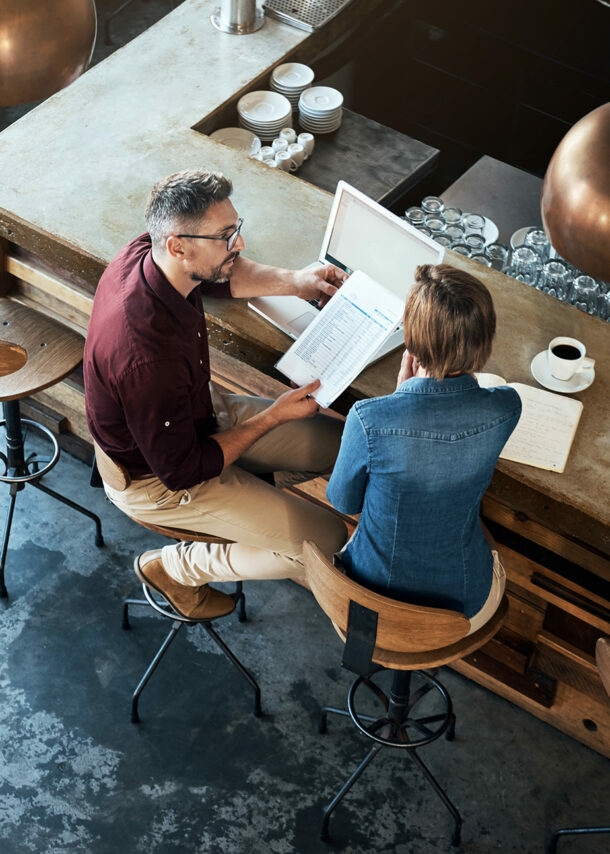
(267, 525)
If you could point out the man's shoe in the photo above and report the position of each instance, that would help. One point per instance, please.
(194, 603)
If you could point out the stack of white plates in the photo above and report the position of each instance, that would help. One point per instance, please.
(320, 109)
(290, 79)
(264, 113)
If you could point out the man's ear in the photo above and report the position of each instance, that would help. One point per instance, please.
(174, 247)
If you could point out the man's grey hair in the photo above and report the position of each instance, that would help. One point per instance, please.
(178, 202)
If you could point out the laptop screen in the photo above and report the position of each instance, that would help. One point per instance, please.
(362, 235)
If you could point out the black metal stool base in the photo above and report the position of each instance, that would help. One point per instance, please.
(163, 608)
(19, 470)
(572, 831)
(402, 726)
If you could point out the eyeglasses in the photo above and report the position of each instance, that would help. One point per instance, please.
(231, 240)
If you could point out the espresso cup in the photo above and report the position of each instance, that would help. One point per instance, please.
(279, 144)
(267, 153)
(297, 152)
(307, 141)
(285, 162)
(566, 356)
(289, 134)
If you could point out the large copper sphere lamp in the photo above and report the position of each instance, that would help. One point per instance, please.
(44, 46)
(575, 202)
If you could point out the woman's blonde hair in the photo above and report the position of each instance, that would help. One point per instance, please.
(449, 321)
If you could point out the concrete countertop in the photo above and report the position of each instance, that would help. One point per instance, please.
(78, 168)
(80, 165)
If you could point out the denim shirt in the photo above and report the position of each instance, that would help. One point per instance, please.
(415, 465)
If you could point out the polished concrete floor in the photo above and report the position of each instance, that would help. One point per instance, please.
(200, 774)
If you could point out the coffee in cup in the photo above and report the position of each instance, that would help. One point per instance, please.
(566, 356)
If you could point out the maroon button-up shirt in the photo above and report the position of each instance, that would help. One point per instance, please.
(147, 372)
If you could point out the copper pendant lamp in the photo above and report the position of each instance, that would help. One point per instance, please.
(44, 46)
(575, 202)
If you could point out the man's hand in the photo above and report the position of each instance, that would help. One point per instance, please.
(296, 403)
(318, 283)
(293, 404)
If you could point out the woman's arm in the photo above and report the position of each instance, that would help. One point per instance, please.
(347, 484)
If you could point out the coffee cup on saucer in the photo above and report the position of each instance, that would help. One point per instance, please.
(566, 357)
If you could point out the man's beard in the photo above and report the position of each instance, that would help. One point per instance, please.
(216, 276)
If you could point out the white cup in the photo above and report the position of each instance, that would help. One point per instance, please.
(271, 163)
(307, 141)
(289, 134)
(297, 152)
(279, 144)
(267, 153)
(285, 162)
(566, 356)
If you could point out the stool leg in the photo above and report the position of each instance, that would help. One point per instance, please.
(577, 831)
(99, 539)
(176, 626)
(457, 818)
(324, 835)
(7, 532)
(237, 663)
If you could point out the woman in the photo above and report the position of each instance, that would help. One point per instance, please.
(415, 464)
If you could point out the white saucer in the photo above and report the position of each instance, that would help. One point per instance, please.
(320, 100)
(263, 106)
(542, 374)
(518, 237)
(238, 138)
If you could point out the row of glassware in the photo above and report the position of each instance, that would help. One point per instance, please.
(530, 258)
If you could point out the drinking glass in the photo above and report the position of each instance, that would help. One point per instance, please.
(525, 265)
(432, 205)
(462, 249)
(443, 240)
(452, 216)
(435, 223)
(603, 306)
(555, 279)
(537, 240)
(499, 256)
(473, 223)
(584, 293)
(476, 243)
(423, 229)
(415, 216)
(455, 233)
(481, 258)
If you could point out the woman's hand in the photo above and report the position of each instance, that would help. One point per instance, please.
(409, 367)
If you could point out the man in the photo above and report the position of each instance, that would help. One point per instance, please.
(194, 453)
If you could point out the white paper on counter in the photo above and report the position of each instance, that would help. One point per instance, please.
(343, 338)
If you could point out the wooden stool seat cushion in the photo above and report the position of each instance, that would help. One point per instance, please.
(52, 351)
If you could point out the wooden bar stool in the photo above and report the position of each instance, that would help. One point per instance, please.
(118, 478)
(35, 353)
(388, 638)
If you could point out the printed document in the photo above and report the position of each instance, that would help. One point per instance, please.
(340, 342)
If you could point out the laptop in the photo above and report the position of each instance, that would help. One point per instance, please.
(360, 235)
